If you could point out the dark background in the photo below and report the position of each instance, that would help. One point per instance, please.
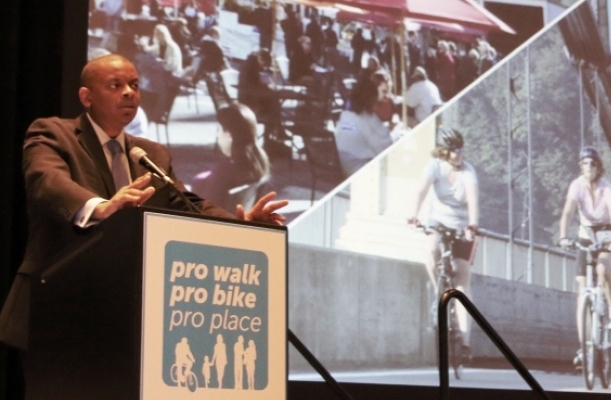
(43, 49)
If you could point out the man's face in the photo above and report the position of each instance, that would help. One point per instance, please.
(589, 168)
(112, 98)
(383, 90)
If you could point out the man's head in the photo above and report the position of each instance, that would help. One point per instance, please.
(109, 92)
(419, 74)
(442, 46)
(591, 164)
(306, 43)
(364, 96)
(373, 64)
(264, 57)
(383, 82)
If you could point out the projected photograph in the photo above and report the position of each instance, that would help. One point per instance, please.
(325, 85)
(515, 150)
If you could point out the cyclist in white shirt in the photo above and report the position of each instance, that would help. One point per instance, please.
(454, 205)
(590, 195)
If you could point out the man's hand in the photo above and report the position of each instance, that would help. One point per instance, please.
(131, 195)
(264, 210)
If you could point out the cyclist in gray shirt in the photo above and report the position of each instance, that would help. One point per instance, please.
(454, 204)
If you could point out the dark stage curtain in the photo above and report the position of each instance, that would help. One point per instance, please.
(42, 43)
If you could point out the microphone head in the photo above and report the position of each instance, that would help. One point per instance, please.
(136, 153)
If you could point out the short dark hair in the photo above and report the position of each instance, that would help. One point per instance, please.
(265, 56)
(363, 97)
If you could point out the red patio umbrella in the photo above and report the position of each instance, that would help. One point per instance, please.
(464, 12)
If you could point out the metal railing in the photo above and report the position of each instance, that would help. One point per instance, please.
(444, 378)
(310, 358)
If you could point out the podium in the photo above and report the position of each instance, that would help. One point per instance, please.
(154, 304)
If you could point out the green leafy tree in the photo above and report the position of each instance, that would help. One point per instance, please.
(534, 94)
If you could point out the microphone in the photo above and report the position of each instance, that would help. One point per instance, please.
(139, 156)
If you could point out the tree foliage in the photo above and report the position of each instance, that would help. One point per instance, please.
(532, 103)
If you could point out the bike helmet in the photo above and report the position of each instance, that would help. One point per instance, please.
(589, 152)
(450, 138)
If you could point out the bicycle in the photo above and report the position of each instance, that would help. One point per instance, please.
(191, 382)
(445, 281)
(595, 329)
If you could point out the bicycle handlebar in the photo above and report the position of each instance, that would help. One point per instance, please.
(445, 232)
(600, 247)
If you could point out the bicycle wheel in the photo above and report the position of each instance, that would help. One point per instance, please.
(605, 353)
(588, 350)
(454, 336)
(191, 382)
(455, 345)
(174, 373)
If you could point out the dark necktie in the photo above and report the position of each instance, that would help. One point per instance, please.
(119, 174)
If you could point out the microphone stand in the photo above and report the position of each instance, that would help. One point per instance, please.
(192, 207)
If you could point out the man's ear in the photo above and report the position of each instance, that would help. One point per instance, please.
(84, 95)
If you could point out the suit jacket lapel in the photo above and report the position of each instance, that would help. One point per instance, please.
(90, 142)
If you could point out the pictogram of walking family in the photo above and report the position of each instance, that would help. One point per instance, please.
(243, 358)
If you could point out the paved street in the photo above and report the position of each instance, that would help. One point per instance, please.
(472, 378)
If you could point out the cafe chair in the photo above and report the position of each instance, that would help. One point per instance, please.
(323, 158)
(244, 194)
(188, 82)
(217, 90)
(230, 80)
(157, 106)
(283, 67)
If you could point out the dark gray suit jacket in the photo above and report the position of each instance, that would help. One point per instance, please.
(64, 166)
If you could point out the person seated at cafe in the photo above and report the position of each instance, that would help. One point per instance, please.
(373, 66)
(255, 91)
(303, 62)
(189, 11)
(165, 49)
(241, 162)
(184, 38)
(360, 134)
(384, 107)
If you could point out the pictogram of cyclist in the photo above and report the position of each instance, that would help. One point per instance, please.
(184, 360)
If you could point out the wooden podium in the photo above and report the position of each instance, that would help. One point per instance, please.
(111, 315)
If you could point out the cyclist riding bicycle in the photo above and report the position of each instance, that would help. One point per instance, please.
(184, 359)
(590, 194)
(454, 205)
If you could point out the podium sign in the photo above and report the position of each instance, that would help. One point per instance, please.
(214, 315)
(153, 305)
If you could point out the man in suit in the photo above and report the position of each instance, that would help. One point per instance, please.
(69, 184)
